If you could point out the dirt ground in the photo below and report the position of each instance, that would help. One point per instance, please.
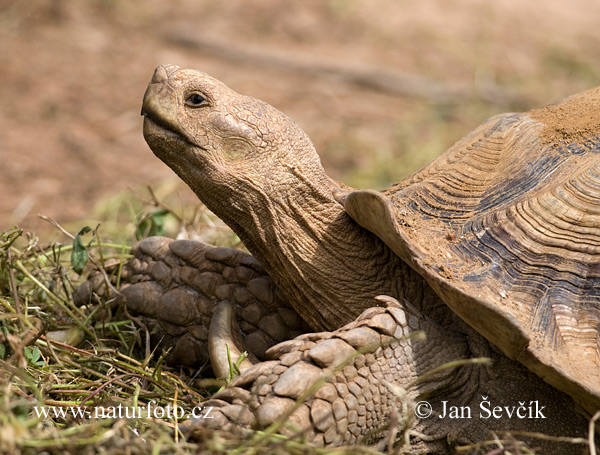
(381, 86)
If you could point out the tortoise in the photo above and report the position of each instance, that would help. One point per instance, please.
(492, 250)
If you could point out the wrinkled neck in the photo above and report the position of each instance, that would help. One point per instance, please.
(327, 265)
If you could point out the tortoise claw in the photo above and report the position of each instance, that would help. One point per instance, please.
(225, 344)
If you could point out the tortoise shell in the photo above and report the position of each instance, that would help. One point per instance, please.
(506, 228)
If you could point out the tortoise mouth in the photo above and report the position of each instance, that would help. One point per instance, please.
(155, 126)
(159, 109)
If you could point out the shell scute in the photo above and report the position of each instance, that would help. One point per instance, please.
(505, 226)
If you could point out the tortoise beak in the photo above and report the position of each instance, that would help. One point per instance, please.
(160, 78)
(160, 102)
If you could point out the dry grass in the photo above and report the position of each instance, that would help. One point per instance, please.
(63, 366)
(69, 373)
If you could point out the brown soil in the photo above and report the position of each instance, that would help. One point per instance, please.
(575, 120)
(381, 86)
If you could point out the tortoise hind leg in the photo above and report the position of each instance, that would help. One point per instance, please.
(174, 287)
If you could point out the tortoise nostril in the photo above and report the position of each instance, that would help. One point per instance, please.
(162, 73)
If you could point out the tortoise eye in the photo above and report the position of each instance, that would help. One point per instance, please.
(195, 100)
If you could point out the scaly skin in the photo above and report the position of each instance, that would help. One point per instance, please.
(379, 366)
(258, 171)
(175, 286)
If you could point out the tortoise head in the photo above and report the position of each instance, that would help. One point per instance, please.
(234, 151)
(258, 171)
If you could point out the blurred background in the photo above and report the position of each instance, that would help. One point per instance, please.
(381, 86)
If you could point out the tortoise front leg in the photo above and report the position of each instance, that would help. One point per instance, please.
(379, 373)
(342, 387)
(175, 286)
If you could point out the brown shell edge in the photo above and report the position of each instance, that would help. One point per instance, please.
(373, 211)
